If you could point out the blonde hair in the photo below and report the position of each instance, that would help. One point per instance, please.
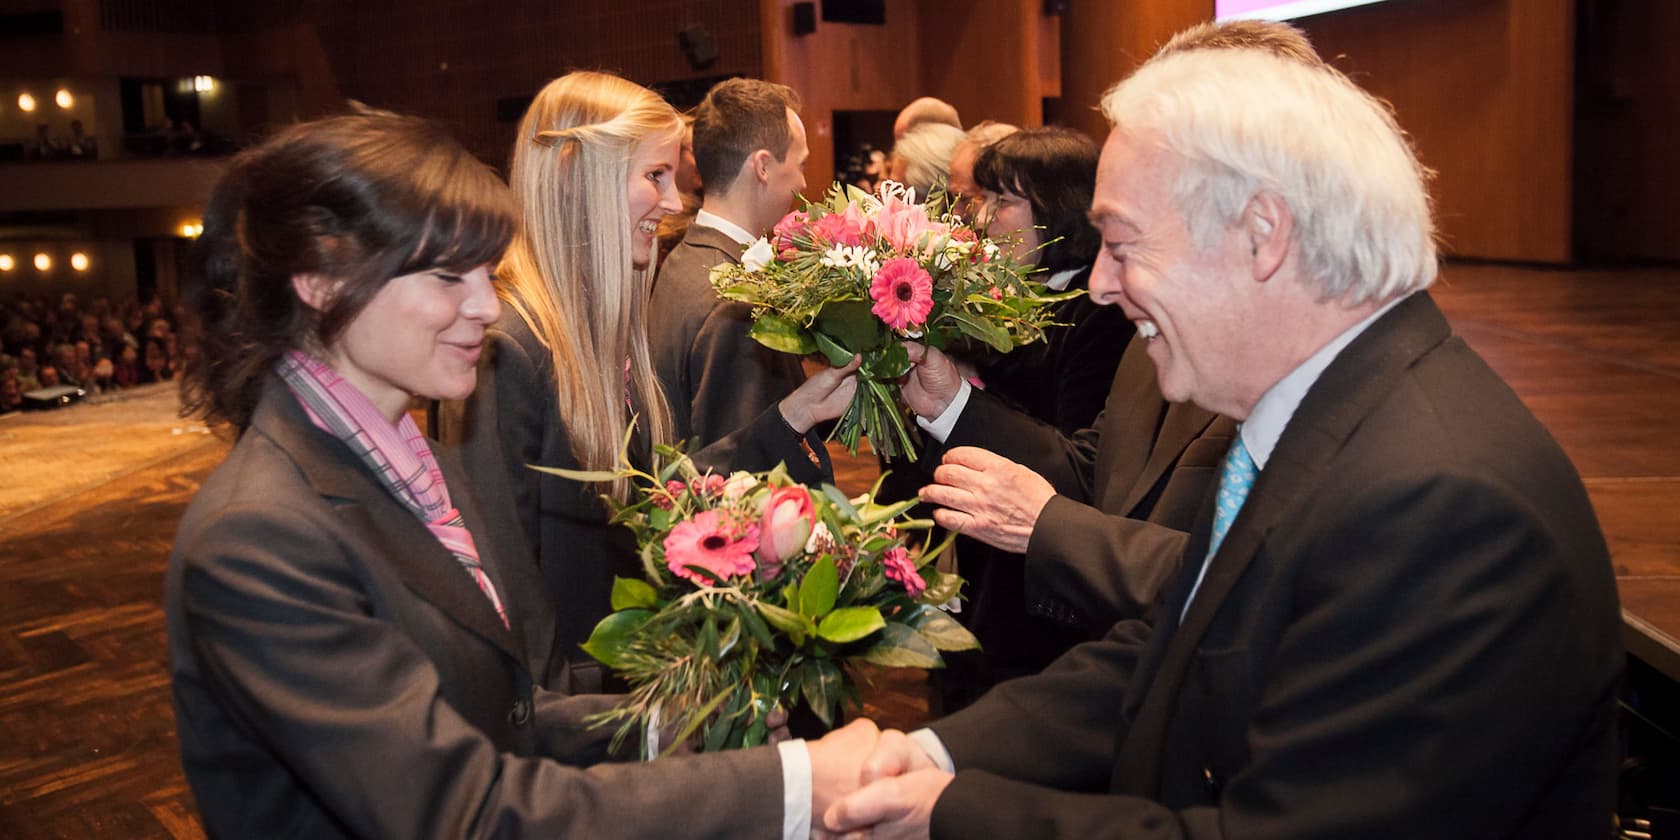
(569, 272)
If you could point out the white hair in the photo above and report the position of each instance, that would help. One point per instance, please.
(1244, 121)
(927, 151)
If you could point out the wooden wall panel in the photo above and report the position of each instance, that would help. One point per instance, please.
(1104, 41)
(1627, 130)
(1485, 87)
(840, 67)
(985, 57)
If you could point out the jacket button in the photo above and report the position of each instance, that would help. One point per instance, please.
(521, 713)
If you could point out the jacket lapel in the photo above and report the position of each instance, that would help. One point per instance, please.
(1181, 426)
(425, 566)
(1344, 394)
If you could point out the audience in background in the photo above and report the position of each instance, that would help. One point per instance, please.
(922, 158)
(926, 109)
(97, 347)
(959, 183)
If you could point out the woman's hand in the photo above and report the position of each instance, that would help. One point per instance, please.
(824, 396)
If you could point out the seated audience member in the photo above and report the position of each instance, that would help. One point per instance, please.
(11, 394)
(1400, 593)
(48, 377)
(127, 372)
(28, 369)
(924, 109)
(959, 182)
(358, 645)
(922, 159)
(158, 368)
(750, 149)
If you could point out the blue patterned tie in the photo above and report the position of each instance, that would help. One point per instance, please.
(1235, 480)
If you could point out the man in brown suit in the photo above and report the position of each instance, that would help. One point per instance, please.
(749, 145)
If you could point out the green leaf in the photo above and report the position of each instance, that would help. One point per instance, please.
(821, 683)
(848, 624)
(941, 587)
(706, 641)
(852, 325)
(782, 334)
(756, 627)
(787, 621)
(995, 336)
(836, 355)
(889, 363)
(587, 476)
(613, 635)
(902, 647)
(628, 593)
(944, 632)
(835, 495)
(731, 635)
(819, 589)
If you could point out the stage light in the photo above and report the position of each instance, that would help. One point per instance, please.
(204, 84)
(26, 103)
(43, 262)
(79, 261)
(7, 263)
(64, 99)
(191, 230)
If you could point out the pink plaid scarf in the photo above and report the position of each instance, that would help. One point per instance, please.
(398, 455)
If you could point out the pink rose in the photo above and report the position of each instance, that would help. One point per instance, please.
(902, 224)
(794, 225)
(786, 525)
(713, 543)
(850, 228)
(896, 562)
(903, 293)
(710, 484)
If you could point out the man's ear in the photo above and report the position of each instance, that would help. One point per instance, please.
(315, 290)
(759, 163)
(1269, 225)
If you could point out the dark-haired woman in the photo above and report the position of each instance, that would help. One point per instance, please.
(1036, 184)
(358, 646)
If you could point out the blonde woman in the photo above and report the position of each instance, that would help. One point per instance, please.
(567, 367)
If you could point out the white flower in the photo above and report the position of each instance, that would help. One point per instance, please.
(758, 255)
(820, 540)
(739, 482)
(991, 250)
(851, 256)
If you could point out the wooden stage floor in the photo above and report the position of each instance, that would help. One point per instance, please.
(87, 743)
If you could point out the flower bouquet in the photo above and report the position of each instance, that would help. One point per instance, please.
(758, 592)
(860, 274)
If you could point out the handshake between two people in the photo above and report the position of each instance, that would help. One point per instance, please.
(870, 782)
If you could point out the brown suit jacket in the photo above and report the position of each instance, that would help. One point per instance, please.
(337, 674)
(1128, 487)
(1410, 630)
(716, 378)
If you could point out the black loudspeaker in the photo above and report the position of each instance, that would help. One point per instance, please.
(804, 18)
(699, 45)
(1053, 8)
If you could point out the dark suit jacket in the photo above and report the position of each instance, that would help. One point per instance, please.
(337, 674)
(1127, 488)
(1411, 630)
(512, 421)
(716, 377)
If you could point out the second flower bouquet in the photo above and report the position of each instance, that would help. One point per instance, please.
(860, 274)
(757, 592)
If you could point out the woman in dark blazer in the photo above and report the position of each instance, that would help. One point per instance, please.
(359, 647)
(567, 367)
(1036, 184)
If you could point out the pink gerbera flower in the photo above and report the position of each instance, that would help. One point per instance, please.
(713, 543)
(903, 293)
(898, 566)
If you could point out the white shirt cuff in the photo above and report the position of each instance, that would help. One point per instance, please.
(796, 789)
(935, 749)
(940, 427)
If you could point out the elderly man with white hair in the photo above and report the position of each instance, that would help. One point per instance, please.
(1396, 617)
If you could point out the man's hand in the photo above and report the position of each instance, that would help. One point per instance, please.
(988, 497)
(931, 384)
(895, 754)
(897, 808)
(822, 396)
(837, 763)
